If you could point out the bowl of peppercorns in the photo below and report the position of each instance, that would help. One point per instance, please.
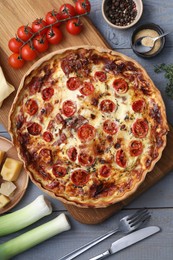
(122, 14)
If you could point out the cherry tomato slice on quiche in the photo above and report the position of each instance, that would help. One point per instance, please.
(87, 89)
(107, 106)
(136, 148)
(120, 86)
(138, 105)
(110, 127)
(59, 171)
(31, 107)
(80, 177)
(121, 159)
(140, 128)
(105, 171)
(85, 159)
(72, 154)
(47, 93)
(47, 136)
(34, 129)
(73, 83)
(100, 75)
(86, 132)
(68, 108)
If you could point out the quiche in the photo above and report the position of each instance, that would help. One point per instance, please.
(88, 124)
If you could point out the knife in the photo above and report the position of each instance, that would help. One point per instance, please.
(128, 240)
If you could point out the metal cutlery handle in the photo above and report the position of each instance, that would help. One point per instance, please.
(84, 248)
(101, 256)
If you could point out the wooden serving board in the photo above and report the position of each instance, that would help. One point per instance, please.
(24, 12)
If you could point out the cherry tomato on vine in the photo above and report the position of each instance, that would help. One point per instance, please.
(40, 43)
(74, 26)
(82, 6)
(67, 10)
(38, 24)
(52, 17)
(16, 61)
(24, 32)
(14, 44)
(28, 53)
(54, 35)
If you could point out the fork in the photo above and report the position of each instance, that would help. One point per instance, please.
(126, 225)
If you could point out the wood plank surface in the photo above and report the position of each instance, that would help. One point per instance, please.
(90, 36)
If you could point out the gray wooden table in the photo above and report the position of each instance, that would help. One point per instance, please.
(159, 199)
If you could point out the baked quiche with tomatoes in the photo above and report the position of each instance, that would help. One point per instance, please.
(89, 124)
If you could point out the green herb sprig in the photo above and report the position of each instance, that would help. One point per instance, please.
(168, 70)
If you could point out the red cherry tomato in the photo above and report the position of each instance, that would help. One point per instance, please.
(80, 177)
(54, 35)
(14, 44)
(120, 85)
(31, 107)
(121, 159)
(86, 132)
(107, 106)
(87, 89)
(82, 6)
(24, 32)
(68, 108)
(38, 25)
(53, 17)
(67, 10)
(40, 43)
(140, 128)
(136, 148)
(74, 26)
(28, 53)
(110, 127)
(16, 61)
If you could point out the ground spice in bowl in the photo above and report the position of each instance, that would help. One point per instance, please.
(149, 30)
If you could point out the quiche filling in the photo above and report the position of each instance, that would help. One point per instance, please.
(89, 125)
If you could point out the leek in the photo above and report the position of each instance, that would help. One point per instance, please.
(33, 237)
(24, 217)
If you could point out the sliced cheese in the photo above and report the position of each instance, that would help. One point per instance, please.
(11, 169)
(3, 201)
(5, 88)
(2, 153)
(7, 188)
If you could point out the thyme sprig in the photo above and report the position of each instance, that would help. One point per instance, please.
(168, 74)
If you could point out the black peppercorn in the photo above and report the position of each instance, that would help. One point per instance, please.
(121, 12)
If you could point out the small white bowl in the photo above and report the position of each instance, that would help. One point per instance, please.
(139, 8)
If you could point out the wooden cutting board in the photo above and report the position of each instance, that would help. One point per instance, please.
(13, 15)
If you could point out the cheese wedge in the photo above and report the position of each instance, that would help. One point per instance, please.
(11, 169)
(5, 88)
(7, 188)
(2, 153)
(3, 201)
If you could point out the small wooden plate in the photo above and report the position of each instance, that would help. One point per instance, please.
(22, 181)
